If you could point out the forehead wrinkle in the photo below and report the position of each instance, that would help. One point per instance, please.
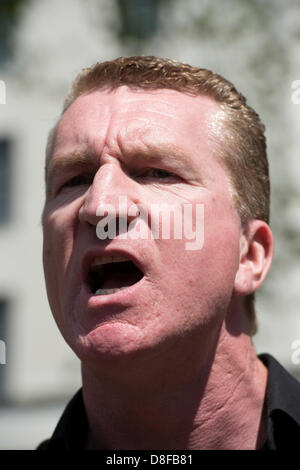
(150, 143)
(128, 127)
(133, 99)
(148, 112)
(162, 151)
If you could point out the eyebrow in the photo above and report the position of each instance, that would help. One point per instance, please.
(87, 159)
(162, 152)
(59, 163)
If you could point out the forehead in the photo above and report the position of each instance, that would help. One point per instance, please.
(124, 116)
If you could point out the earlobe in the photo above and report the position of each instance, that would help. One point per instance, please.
(256, 254)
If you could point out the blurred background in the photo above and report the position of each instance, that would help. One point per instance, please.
(43, 45)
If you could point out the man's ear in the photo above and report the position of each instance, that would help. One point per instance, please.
(256, 254)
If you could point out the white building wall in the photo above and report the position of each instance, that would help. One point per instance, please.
(54, 41)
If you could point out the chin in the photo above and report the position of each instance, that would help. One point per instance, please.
(111, 340)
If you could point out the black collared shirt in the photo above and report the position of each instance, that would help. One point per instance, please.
(282, 402)
(283, 407)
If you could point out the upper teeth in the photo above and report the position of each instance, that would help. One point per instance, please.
(99, 260)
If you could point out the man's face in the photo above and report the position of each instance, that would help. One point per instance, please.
(116, 143)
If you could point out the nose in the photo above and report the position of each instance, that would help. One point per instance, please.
(111, 194)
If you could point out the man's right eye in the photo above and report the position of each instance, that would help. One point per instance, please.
(78, 180)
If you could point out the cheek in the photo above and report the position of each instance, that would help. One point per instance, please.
(57, 249)
(58, 231)
(50, 272)
(220, 264)
(206, 274)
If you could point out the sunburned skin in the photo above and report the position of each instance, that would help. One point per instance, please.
(118, 128)
(156, 338)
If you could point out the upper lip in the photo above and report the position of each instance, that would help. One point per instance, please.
(96, 253)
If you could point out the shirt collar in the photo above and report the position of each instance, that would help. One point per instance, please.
(72, 427)
(283, 404)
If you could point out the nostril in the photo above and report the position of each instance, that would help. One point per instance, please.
(114, 212)
(88, 211)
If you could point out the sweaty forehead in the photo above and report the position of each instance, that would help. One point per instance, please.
(122, 117)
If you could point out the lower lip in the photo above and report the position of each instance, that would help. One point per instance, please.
(122, 296)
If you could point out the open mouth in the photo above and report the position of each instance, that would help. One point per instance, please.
(110, 274)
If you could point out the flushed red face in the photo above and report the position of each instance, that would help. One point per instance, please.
(152, 147)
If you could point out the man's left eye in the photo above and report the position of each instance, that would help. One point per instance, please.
(161, 173)
(158, 173)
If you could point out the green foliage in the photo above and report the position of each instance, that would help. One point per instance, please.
(9, 12)
(138, 18)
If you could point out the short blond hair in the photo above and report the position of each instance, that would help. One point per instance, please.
(242, 147)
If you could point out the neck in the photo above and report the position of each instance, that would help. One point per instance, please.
(219, 407)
